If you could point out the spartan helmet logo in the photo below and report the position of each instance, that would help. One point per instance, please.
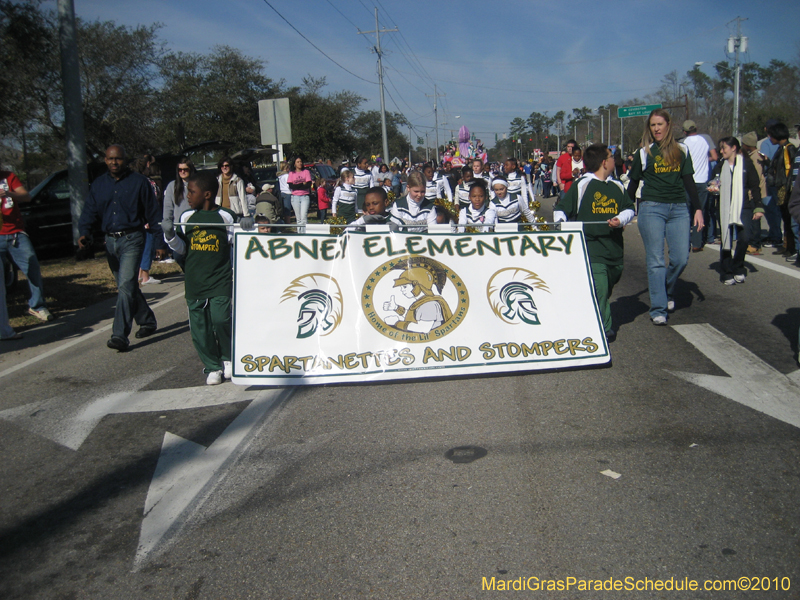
(315, 311)
(517, 299)
(320, 310)
(510, 293)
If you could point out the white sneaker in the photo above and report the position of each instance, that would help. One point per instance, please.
(730, 281)
(659, 320)
(41, 313)
(670, 305)
(227, 369)
(214, 378)
(739, 278)
(151, 281)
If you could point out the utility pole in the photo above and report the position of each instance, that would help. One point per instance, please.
(558, 135)
(377, 50)
(436, 95)
(73, 113)
(736, 44)
(602, 131)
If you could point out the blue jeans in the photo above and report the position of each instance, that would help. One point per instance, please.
(287, 204)
(732, 263)
(300, 207)
(711, 218)
(659, 221)
(17, 248)
(124, 254)
(149, 251)
(702, 194)
(6, 330)
(773, 214)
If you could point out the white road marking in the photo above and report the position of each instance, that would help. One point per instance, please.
(791, 272)
(752, 381)
(66, 422)
(187, 473)
(76, 341)
(69, 424)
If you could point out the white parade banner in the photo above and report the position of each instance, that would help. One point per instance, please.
(313, 309)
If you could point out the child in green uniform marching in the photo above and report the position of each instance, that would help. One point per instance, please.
(208, 273)
(598, 198)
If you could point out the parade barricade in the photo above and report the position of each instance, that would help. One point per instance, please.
(380, 305)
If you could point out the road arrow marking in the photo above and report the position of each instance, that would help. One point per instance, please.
(752, 382)
(69, 423)
(187, 473)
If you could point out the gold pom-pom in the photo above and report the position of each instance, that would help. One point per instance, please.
(336, 221)
(534, 205)
(542, 227)
(452, 208)
(471, 229)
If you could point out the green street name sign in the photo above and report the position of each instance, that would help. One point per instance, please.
(636, 111)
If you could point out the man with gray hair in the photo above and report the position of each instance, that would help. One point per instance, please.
(700, 146)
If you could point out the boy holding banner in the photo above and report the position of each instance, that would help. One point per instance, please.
(208, 272)
(600, 202)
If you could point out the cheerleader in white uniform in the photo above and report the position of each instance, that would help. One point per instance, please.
(413, 208)
(435, 185)
(510, 208)
(480, 211)
(463, 188)
(363, 180)
(345, 197)
(517, 184)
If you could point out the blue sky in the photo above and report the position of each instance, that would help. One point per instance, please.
(494, 61)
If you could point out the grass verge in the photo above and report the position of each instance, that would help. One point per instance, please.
(70, 286)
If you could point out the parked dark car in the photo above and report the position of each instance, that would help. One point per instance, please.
(264, 175)
(326, 172)
(48, 219)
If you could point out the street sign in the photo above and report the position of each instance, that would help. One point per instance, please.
(636, 111)
(275, 121)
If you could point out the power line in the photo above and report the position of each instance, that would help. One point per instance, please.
(408, 59)
(404, 79)
(400, 31)
(315, 46)
(341, 13)
(401, 97)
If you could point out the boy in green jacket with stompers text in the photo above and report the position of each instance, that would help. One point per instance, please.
(598, 198)
(208, 273)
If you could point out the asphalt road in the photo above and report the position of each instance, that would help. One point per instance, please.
(350, 491)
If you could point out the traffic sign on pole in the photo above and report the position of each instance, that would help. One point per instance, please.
(643, 110)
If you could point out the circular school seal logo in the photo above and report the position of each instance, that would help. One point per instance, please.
(319, 301)
(414, 299)
(510, 293)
